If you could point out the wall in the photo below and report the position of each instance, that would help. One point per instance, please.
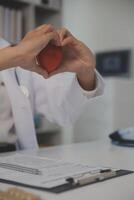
(103, 25)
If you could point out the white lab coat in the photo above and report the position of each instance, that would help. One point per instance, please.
(59, 98)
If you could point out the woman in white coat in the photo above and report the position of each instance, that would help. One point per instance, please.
(60, 98)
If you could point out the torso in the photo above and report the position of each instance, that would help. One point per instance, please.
(7, 131)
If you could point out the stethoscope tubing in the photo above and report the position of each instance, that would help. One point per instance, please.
(23, 88)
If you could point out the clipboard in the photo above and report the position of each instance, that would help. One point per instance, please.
(69, 185)
(52, 175)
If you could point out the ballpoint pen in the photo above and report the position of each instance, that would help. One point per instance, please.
(20, 168)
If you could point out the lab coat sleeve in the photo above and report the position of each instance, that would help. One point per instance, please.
(61, 99)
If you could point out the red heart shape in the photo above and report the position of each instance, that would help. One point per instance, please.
(50, 57)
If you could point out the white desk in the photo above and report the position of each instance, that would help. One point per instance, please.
(93, 153)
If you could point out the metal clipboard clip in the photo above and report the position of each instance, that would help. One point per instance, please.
(90, 177)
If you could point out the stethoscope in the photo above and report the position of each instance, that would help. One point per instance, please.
(23, 88)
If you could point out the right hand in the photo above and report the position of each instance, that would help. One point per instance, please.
(32, 44)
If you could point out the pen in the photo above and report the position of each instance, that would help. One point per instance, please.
(20, 168)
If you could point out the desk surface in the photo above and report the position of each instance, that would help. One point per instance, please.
(93, 153)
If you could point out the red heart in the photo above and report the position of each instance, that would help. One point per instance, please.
(50, 57)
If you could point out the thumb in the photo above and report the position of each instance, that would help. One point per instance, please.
(38, 69)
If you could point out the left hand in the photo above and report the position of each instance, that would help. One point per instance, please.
(30, 46)
(78, 58)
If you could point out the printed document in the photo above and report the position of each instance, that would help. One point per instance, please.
(39, 171)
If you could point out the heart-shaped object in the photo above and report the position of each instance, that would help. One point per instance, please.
(50, 57)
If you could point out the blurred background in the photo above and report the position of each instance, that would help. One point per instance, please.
(105, 26)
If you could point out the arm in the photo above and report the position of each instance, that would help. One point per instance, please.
(61, 99)
(78, 59)
(8, 58)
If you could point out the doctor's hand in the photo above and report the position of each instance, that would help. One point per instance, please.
(32, 44)
(78, 58)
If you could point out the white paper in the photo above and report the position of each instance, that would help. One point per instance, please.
(53, 172)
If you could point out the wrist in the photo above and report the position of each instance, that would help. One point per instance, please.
(86, 79)
(18, 56)
(15, 56)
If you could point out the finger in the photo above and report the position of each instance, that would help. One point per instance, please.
(49, 37)
(41, 41)
(69, 41)
(40, 70)
(42, 32)
(44, 39)
(45, 28)
(63, 33)
(56, 40)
